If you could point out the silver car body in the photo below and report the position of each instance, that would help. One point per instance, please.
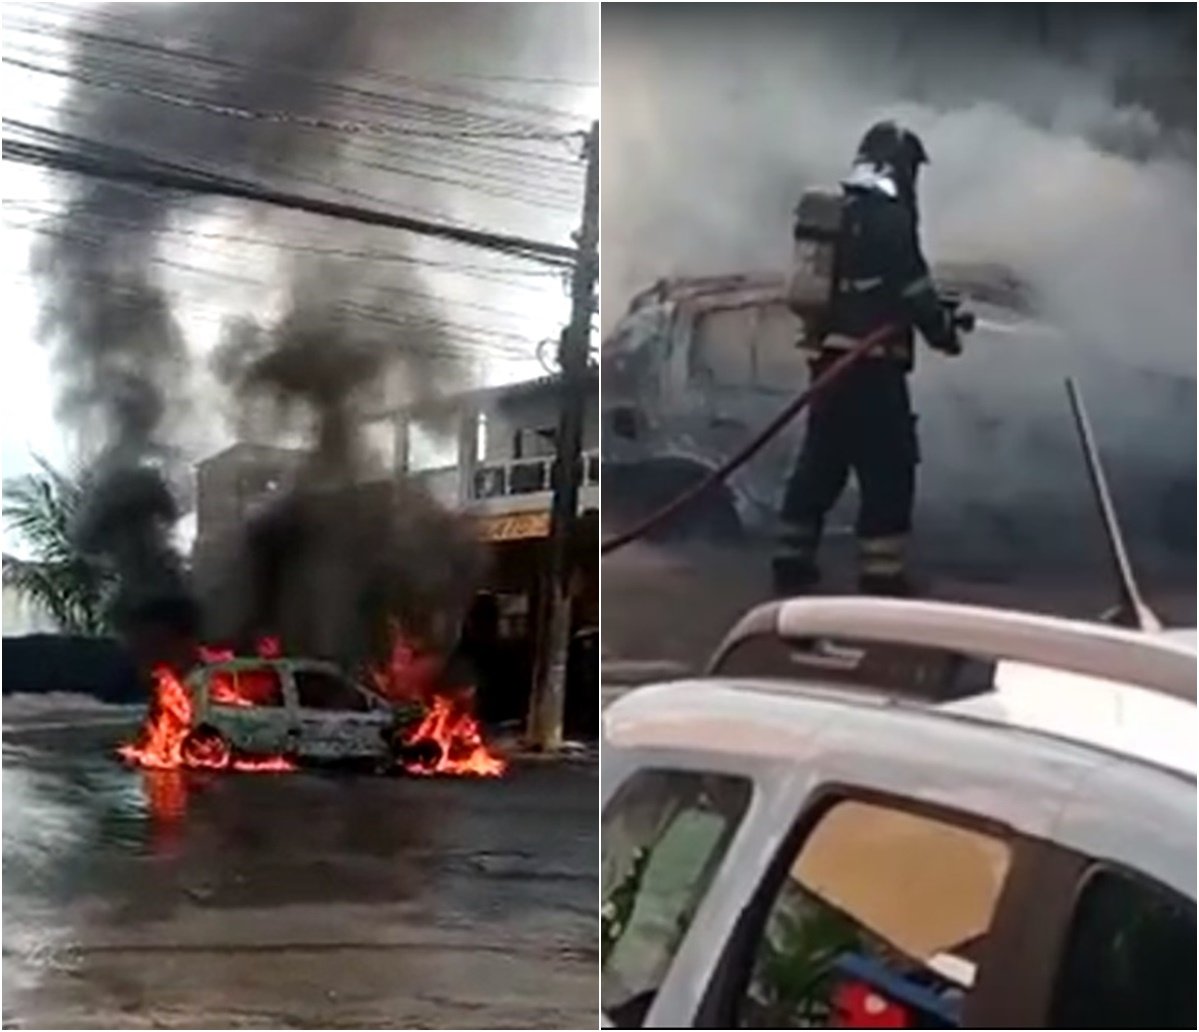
(1115, 781)
(309, 733)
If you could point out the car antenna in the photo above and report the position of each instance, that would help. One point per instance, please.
(1132, 610)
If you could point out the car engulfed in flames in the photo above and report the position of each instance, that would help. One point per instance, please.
(273, 713)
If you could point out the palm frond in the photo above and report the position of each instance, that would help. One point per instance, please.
(41, 509)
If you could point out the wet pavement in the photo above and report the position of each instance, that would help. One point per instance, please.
(299, 900)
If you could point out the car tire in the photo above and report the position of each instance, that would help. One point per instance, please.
(206, 747)
(417, 757)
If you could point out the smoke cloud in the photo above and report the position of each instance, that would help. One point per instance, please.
(1063, 150)
(347, 551)
(119, 355)
(322, 564)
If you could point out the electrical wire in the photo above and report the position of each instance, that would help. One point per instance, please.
(169, 175)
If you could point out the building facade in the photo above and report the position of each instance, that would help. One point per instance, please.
(486, 455)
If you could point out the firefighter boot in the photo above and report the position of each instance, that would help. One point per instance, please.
(882, 569)
(794, 565)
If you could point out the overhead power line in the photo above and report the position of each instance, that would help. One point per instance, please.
(91, 213)
(194, 51)
(171, 176)
(312, 122)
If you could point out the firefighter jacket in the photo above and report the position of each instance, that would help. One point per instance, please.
(880, 274)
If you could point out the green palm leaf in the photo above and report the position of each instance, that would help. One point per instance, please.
(40, 510)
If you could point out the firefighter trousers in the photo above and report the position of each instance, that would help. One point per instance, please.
(864, 424)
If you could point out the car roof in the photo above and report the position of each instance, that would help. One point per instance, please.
(1054, 687)
(284, 662)
(1108, 715)
(257, 662)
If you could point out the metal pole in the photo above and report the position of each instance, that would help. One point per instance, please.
(553, 641)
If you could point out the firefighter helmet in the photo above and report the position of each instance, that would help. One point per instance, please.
(898, 150)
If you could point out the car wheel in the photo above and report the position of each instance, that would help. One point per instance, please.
(206, 747)
(418, 757)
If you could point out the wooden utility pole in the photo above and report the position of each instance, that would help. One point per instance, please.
(553, 640)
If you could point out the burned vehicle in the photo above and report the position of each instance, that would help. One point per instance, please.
(304, 708)
(697, 366)
(274, 713)
(250, 712)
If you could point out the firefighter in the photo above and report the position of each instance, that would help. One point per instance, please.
(865, 423)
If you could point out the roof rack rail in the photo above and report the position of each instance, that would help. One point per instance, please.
(949, 640)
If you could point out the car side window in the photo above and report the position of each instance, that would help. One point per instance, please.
(878, 922)
(1129, 959)
(665, 834)
(319, 689)
(721, 357)
(245, 687)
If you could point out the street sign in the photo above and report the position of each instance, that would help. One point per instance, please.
(514, 527)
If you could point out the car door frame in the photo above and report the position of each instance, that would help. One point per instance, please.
(1060, 879)
(327, 717)
(222, 717)
(1014, 981)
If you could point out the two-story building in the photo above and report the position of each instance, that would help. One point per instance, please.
(489, 453)
(486, 454)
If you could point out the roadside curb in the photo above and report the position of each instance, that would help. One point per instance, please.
(571, 752)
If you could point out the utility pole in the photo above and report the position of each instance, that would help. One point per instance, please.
(553, 641)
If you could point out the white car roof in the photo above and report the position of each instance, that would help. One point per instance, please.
(1109, 715)
(1105, 688)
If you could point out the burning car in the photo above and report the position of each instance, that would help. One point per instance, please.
(248, 711)
(697, 365)
(274, 713)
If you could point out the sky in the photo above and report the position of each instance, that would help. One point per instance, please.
(239, 272)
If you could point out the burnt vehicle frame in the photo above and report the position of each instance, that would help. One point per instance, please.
(352, 724)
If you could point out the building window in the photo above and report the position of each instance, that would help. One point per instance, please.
(489, 482)
(665, 835)
(430, 447)
(534, 443)
(879, 918)
(1130, 957)
(528, 477)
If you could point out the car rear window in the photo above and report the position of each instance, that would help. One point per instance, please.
(665, 834)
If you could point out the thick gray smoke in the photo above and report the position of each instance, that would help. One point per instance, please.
(1063, 149)
(119, 356)
(346, 549)
(127, 381)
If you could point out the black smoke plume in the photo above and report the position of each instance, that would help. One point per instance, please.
(120, 358)
(347, 552)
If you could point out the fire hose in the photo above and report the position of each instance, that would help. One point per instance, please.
(961, 320)
(817, 387)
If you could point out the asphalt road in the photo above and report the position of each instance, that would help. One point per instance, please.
(301, 900)
(671, 606)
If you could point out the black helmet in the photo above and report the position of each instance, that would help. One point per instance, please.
(899, 150)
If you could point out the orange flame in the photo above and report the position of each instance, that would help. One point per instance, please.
(167, 742)
(459, 744)
(211, 655)
(160, 744)
(448, 739)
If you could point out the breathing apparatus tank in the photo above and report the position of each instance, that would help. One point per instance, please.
(811, 278)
